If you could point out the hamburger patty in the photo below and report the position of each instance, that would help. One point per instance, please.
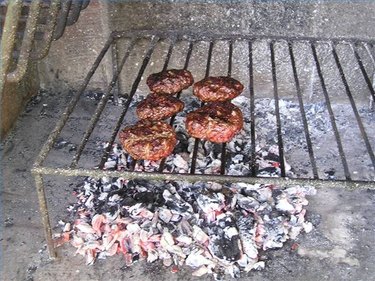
(170, 81)
(148, 140)
(217, 122)
(159, 107)
(220, 88)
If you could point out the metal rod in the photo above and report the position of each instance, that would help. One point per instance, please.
(168, 57)
(69, 109)
(128, 101)
(236, 36)
(277, 111)
(207, 178)
(363, 70)
(354, 107)
(115, 68)
(45, 215)
(74, 12)
(99, 109)
(331, 114)
(188, 55)
(27, 43)
(252, 111)
(303, 113)
(50, 27)
(196, 142)
(61, 22)
(224, 157)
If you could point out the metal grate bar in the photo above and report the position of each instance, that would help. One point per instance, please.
(252, 111)
(69, 109)
(201, 177)
(115, 68)
(363, 70)
(303, 113)
(168, 57)
(224, 157)
(129, 99)
(331, 114)
(188, 55)
(354, 107)
(99, 109)
(277, 111)
(196, 142)
(166, 62)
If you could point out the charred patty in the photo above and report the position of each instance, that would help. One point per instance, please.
(170, 81)
(159, 107)
(217, 122)
(220, 88)
(148, 140)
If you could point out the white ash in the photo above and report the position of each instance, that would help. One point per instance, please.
(212, 228)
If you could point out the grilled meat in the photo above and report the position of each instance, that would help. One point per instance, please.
(170, 81)
(159, 107)
(148, 140)
(220, 88)
(217, 122)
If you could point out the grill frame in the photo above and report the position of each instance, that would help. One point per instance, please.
(39, 170)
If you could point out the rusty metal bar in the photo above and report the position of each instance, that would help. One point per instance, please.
(45, 215)
(277, 111)
(363, 70)
(99, 109)
(252, 111)
(128, 101)
(354, 107)
(188, 55)
(331, 114)
(206, 178)
(27, 43)
(303, 113)
(196, 142)
(224, 145)
(50, 27)
(69, 109)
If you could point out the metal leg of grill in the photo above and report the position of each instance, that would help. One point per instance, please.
(45, 215)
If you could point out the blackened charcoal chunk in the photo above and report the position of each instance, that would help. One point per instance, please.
(270, 170)
(225, 243)
(272, 157)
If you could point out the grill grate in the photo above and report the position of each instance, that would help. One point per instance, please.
(303, 77)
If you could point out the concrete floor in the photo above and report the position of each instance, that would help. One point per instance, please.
(340, 247)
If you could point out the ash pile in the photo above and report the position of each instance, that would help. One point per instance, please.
(212, 228)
